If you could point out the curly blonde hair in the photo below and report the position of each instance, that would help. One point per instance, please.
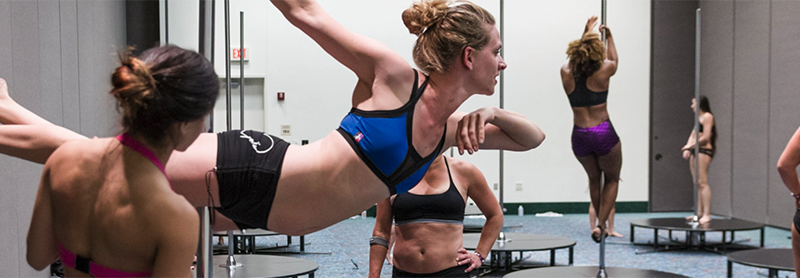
(586, 55)
(444, 29)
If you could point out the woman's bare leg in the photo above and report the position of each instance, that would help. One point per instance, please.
(592, 169)
(610, 164)
(697, 211)
(704, 191)
(611, 231)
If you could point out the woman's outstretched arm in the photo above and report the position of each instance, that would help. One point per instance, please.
(34, 143)
(366, 57)
(13, 113)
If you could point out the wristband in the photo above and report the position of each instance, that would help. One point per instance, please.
(376, 240)
(795, 195)
(480, 256)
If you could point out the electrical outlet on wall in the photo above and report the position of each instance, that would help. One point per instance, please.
(496, 186)
(519, 186)
(286, 130)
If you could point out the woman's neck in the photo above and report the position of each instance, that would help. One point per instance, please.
(161, 151)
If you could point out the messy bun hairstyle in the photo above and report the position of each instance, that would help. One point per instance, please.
(444, 29)
(586, 55)
(163, 86)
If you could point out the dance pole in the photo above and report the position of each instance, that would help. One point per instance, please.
(603, 19)
(230, 263)
(241, 69)
(205, 258)
(601, 269)
(695, 218)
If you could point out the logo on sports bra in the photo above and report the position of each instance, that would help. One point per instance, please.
(257, 144)
(358, 137)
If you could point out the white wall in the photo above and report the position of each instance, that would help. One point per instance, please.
(318, 88)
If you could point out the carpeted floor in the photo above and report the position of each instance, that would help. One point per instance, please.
(348, 245)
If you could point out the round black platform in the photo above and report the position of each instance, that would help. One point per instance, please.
(520, 242)
(695, 233)
(264, 266)
(587, 271)
(771, 259)
(680, 224)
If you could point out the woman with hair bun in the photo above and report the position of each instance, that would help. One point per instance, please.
(105, 206)
(400, 121)
(595, 144)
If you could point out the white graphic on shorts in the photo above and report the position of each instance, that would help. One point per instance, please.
(257, 144)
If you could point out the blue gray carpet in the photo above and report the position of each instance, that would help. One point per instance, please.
(348, 245)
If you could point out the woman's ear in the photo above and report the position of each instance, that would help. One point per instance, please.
(467, 57)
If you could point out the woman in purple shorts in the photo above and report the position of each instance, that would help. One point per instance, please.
(595, 143)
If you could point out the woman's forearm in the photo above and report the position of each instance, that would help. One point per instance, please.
(518, 128)
(490, 232)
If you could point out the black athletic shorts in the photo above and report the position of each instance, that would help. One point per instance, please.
(797, 220)
(248, 169)
(456, 271)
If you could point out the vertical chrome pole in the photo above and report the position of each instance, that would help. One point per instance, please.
(231, 261)
(603, 8)
(205, 256)
(228, 62)
(241, 69)
(601, 272)
(696, 114)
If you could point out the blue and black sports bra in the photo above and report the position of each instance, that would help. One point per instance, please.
(382, 139)
(447, 207)
(583, 97)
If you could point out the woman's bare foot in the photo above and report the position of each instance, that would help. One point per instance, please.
(705, 219)
(596, 233)
(613, 233)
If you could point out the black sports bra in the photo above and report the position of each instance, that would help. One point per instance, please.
(583, 97)
(447, 207)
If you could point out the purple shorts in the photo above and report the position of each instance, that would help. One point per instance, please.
(597, 140)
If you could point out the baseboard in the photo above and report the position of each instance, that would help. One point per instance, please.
(564, 208)
(570, 207)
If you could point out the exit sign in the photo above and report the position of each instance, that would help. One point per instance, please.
(237, 53)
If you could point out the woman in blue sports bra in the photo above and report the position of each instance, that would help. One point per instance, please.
(595, 143)
(105, 206)
(401, 119)
(430, 223)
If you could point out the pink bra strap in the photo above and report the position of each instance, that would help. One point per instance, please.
(128, 141)
(87, 266)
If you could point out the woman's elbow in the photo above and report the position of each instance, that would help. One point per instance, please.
(36, 263)
(784, 167)
(537, 141)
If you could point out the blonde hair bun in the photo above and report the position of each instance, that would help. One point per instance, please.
(423, 14)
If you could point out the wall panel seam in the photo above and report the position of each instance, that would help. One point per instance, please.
(769, 105)
(78, 71)
(733, 106)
